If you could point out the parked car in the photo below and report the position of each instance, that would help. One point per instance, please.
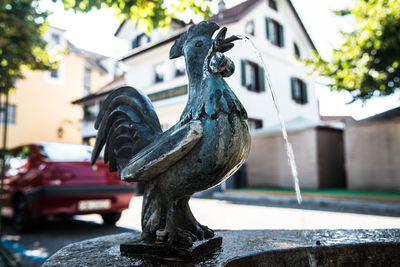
(45, 179)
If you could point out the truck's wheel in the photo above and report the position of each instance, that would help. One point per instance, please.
(110, 218)
(23, 220)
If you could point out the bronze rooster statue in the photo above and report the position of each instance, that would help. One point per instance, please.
(208, 144)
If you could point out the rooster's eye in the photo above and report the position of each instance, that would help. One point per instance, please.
(198, 44)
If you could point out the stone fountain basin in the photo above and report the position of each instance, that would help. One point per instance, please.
(371, 254)
(254, 248)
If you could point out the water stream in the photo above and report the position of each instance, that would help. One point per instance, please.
(288, 145)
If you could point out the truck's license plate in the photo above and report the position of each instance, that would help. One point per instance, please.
(98, 204)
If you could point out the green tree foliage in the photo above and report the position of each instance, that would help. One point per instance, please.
(148, 14)
(21, 43)
(22, 26)
(368, 61)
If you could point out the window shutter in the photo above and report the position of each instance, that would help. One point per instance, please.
(304, 92)
(134, 44)
(148, 38)
(281, 36)
(243, 69)
(292, 86)
(267, 23)
(261, 79)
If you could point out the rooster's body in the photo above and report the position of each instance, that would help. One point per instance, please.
(206, 146)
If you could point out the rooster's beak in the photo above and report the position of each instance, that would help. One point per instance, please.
(221, 44)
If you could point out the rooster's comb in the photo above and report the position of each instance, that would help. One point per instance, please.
(203, 28)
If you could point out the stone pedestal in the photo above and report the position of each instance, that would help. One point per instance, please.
(253, 247)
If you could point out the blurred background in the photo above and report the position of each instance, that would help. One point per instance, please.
(334, 66)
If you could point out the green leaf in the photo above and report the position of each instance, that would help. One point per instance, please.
(368, 59)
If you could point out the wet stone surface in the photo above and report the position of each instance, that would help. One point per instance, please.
(105, 251)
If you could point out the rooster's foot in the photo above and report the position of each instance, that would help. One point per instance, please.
(203, 232)
(181, 238)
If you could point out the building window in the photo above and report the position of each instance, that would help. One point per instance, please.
(272, 4)
(252, 76)
(299, 91)
(159, 73)
(296, 50)
(140, 40)
(255, 124)
(10, 114)
(179, 67)
(86, 81)
(274, 32)
(55, 38)
(249, 28)
(88, 115)
(54, 73)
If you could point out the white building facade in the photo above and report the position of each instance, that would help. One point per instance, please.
(276, 31)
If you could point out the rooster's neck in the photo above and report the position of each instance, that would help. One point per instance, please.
(197, 74)
(195, 70)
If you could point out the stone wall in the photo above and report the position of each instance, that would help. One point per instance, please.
(372, 152)
(318, 152)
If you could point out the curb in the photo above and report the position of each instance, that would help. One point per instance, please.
(319, 203)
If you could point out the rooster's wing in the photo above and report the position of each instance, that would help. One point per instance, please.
(163, 152)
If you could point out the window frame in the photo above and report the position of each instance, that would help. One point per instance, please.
(136, 42)
(299, 90)
(257, 123)
(159, 78)
(87, 75)
(296, 50)
(55, 74)
(179, 72)
(55, 38)
(274, 32)
(248, 24)
(11, 114)
(259, 79)
(272, 4)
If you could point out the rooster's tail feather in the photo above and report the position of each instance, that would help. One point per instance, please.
(126, 123)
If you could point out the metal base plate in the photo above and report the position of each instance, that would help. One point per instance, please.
(167, 252)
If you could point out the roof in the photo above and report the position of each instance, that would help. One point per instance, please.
(387, 115)
(91, 97)
(300, 124)
(226, 16)
(120, 27)
(237, 12)
(104, 91)
(93, 60)
(301, 24)
(176, 21)
(345, 119)
(57, 28)
(142, 49)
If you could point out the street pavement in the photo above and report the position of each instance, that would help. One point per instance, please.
(223, 211)
(227, 214)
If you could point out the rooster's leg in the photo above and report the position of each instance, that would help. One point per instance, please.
(154, 213)
(183, 228)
